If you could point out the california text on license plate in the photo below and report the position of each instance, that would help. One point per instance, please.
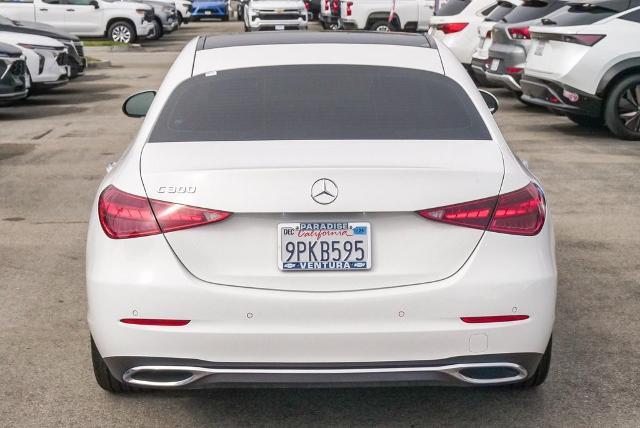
(324, 246)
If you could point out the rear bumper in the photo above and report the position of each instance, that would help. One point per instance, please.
(505, 80)
(415, 325)
(554, 95)
(194, 374)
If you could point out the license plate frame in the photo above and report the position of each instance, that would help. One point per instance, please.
(495, 64)
(350, 230)
(280, 27)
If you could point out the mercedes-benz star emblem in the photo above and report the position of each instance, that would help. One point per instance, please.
(324, 191)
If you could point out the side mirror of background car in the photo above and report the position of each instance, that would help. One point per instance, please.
(95, 4)
(137, 105)
(491, 100)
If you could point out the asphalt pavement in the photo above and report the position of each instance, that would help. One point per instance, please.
(53, 152)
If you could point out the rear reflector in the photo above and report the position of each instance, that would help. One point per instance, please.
(453, 27)
(494, 318)
(123, 215)
(158, 322)
(514, 70)
(518, 213)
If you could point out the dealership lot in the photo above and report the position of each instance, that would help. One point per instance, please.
(53, 150)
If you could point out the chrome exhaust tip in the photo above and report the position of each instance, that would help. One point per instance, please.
(467, 373)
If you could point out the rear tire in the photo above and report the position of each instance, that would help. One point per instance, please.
(383, 26)
(622, 108)
(541, 372)
(122, 32)
(104, 377)
(586, 121)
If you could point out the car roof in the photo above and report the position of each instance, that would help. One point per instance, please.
(312, 37)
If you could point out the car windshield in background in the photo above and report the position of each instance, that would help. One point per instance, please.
(453, 7)
(281, 102)
(500, 11)
(583, 14)
(532, 10)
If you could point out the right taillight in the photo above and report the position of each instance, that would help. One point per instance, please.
(521, 212)
(123, 215)
(583, 39)
(349, 6)
(326, 5)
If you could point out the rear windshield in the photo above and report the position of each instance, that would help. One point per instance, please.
(530, 10)
(500, 11)
(584, 14)
(453, 7)
(288, 103)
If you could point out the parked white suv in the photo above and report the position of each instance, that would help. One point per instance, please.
(586, 64)
(47, 59)
(262, 15)
(120, 21)
(373, 15)
(456, 24)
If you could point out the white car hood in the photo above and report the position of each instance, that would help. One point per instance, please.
(15, 38)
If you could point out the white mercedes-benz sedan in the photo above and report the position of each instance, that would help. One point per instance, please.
(265, 229)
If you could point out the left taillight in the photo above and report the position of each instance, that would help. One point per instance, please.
(123, 215)
(521, 212)
(452, 27)
(519, 33)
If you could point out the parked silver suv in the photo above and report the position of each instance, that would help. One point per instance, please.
(511, 41)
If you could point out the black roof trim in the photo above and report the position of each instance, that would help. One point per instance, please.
(312, 37)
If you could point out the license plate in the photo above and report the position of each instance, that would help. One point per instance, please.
(207, 12)
(540, 48)
(279, 27)
(495, 64)
(27, 81)
(337, 246)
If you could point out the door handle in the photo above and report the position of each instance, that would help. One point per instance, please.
(71, 10)
(43, 10)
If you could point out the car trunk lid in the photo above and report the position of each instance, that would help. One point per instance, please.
(383, 188)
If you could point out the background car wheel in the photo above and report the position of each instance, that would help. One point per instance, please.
(225, 18)
(383, 26)
(541, 372)
(104, 377)
(586, 121)
(622, 108)
(122, 32)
